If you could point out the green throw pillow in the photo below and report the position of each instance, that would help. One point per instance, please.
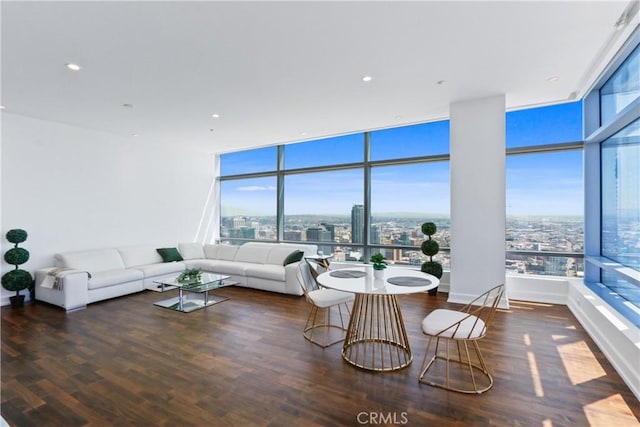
(294, 256)
(169, 254)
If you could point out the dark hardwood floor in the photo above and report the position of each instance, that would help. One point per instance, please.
(244, 362)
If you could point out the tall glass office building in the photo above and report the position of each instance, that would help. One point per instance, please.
(357, 224)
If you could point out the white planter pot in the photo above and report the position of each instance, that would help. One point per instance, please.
(378, 274)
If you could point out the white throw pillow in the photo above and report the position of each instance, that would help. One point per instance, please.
(227, 252)
(278, 254)
(192, 250)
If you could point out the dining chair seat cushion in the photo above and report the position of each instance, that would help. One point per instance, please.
(327, 297)
(439, 319)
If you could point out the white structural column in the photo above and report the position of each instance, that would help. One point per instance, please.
(478, 214)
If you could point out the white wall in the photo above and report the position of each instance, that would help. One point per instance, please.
(74, 189)
(478, 216)
(543, 289)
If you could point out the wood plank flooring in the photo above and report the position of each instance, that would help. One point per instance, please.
(244, 362)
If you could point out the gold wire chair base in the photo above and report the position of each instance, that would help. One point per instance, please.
(377, 339)
(325, 328)
(373, 355)
(469, 377)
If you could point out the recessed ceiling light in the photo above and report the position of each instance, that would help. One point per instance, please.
(134, 135)
(74, 67)
(367, 79)
(303, 134)
(1, 107)
(553, 79)
(215, 116)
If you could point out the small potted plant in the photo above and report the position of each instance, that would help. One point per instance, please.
(17, 279)
(430, 248)
(190, 275)
(379, 264)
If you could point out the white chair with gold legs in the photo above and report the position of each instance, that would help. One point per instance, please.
(319, 328)
(463, 327)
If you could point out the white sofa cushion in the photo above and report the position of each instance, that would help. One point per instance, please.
(278, 254)
(139, 255)
(193, 250)
(153, 270)
(309, 250)
(102, 279)
(228, 267)
(92, 261)
(226, 252)
(256, 254)
(210, 251)
(266, 271)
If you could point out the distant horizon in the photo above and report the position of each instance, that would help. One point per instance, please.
(397, 215)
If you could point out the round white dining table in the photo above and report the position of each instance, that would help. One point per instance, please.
(376, 337)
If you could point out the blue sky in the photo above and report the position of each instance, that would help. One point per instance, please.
(548, 184)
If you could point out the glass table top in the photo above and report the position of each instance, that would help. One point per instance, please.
(193, 295)
(207, 282)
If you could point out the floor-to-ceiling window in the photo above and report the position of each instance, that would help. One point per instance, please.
(248, 203)
(357, 194)
(351, 195)
(322, 183)
(545, 194)
(409, 185)
(318, 208)
(613, 199)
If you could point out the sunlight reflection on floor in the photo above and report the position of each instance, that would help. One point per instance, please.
(575, 356)
(535, 375)
(533, 367)
(606, 412)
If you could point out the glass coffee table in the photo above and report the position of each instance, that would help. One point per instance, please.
(193, 295)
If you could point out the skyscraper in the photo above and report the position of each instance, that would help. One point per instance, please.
(357, 224)
(320, 234)
(375, 234)
(242, 233)
(239, 221)
(294, 235)
(331, 229)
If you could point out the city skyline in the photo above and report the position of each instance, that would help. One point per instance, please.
(560, 236)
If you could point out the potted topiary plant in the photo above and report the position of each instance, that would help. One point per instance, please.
(17, 279)
(379, 264)
(430, 248)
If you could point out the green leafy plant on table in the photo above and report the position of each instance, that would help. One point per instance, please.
(190, 275)
(379, 262)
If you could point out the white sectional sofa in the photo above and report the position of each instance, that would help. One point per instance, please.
(84, 277)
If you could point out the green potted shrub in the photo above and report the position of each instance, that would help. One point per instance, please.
(17, 279)
(379, 264)
(430, 248)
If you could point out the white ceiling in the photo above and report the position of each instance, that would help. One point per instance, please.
(288, 71)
